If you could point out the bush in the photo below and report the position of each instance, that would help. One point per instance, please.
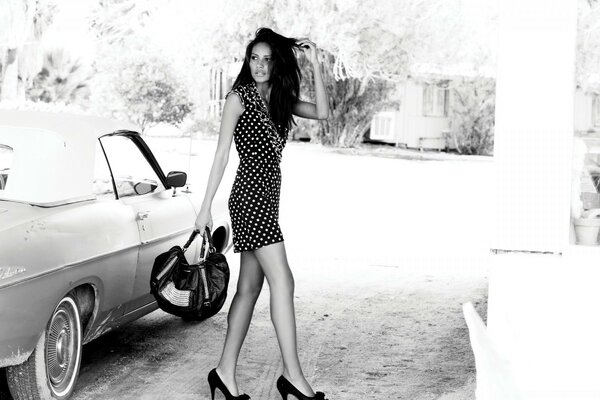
(472, 116)
(198, 125)
(143, 88)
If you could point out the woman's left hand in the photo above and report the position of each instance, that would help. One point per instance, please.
(309, 48)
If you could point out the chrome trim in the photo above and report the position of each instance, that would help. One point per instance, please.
(69, 266)
(167, 236)
(149, 305)
(98, 257)
(51, 204)
(507, 251)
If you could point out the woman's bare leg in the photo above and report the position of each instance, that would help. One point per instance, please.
(249, 285)
(274, 264)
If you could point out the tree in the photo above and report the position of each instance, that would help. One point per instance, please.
(142, 87)
(134, 79)
(352, 102)
(63, 79)
(588, 45)
(368, 46)
(22, 25)
(120, 22)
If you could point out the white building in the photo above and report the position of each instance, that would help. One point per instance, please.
(424, 113)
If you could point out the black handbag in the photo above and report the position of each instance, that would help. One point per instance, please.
(191, 291)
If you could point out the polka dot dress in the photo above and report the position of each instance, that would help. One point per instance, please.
(254, 200)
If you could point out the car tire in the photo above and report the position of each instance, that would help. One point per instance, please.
(51, 370)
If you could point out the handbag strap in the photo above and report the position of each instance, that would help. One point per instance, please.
(209, 237)
(206, 239)
(206, 235)
(190, 240)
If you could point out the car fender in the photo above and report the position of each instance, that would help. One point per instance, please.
(56, 253)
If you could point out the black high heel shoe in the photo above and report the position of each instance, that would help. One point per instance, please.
(285, 387)
(214, 381)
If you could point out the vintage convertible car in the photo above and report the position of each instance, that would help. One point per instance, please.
(84, 210)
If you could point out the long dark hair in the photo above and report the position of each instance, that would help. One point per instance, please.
(285, 75)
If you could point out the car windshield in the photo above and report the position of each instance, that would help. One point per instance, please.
(6, 158)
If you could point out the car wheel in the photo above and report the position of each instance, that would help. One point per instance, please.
(51, 370)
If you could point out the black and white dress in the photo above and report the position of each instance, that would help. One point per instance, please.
(254, 200)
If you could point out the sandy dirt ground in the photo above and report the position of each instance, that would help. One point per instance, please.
(400, 340)
(384, 252)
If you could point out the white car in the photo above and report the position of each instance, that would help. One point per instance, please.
(84, 211)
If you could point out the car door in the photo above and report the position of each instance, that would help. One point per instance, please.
(163, 219)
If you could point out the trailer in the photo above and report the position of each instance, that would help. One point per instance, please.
(421, 120)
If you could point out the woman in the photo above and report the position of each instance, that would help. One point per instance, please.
(258, 117)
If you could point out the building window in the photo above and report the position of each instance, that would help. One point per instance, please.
(596, 109)
(435, 101)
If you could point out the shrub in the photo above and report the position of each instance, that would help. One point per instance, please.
(472, 116)
(197, 125)
(144, 89)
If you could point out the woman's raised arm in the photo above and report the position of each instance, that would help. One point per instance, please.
(319, 109)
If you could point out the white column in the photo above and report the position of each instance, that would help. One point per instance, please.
(543, 308)
(534, 124)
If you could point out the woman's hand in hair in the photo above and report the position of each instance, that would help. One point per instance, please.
(320, 108)
(309, 48)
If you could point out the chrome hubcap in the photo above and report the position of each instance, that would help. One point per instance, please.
(60, 346)
(63, 344)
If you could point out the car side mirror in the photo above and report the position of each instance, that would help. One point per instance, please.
(176, 179)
